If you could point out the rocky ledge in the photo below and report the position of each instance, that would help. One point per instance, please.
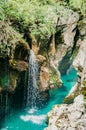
(68, 117)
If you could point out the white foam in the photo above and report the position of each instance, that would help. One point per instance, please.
(35, 119)
(32, 110)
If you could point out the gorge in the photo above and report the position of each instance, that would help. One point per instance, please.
(42, 65)
(35, 118)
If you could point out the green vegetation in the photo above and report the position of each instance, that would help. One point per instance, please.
(8, 35)
(78, 5)
(35, 16)
(4, 81)
(84, 82)
(70, 98)
(54, 78)
(84, 92)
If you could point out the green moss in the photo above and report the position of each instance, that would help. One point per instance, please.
(13, 63)
(83, 91)
(69, 100)
(84, 82)
(80, 68)
(4, 81)
(79, 5)
(54, 78)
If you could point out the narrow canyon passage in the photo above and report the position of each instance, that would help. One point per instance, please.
(34, 118)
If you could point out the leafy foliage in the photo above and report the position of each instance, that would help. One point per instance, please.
(34, 15)
(9, 38)
(39, 17)
(79, 4)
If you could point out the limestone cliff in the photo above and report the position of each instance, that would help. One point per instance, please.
(80, 63)
(68, 117)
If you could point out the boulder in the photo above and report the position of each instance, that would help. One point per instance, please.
(68, 117)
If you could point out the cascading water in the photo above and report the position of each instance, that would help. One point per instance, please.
(35, 119)
(33, 81)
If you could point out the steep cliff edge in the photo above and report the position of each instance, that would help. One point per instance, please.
(73, 116)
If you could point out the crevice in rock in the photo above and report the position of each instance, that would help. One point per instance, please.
(76, 37)
(28, 38)
(21, 52)
(58, 38)
(65, 63)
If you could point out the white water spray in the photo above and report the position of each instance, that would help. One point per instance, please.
(33, 80)
(33, 69)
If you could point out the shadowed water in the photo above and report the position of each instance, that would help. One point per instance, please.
(34, 118)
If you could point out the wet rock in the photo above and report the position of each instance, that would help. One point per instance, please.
(35, 47)
(44, 78)
(41, 59)
(19, 65)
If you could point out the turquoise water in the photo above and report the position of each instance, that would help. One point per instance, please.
(34, 119)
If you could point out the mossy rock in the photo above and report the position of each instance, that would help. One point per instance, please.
(55, 78)
(12, 63)
(69, 100)
(4, 81)
(84, 82)
(80, 68)
(83, 91)
(9, 40)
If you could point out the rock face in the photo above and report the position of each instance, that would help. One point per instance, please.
(80, 63)
(73, 116)
(54, 54)
(65, 39)
(9, 40)
(14, 52)
(57, 50)
(80, 60)
(68, 117)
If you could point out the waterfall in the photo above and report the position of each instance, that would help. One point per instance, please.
(33, 70)
(33, 81)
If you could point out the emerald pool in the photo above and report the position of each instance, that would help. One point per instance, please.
(34, 118)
